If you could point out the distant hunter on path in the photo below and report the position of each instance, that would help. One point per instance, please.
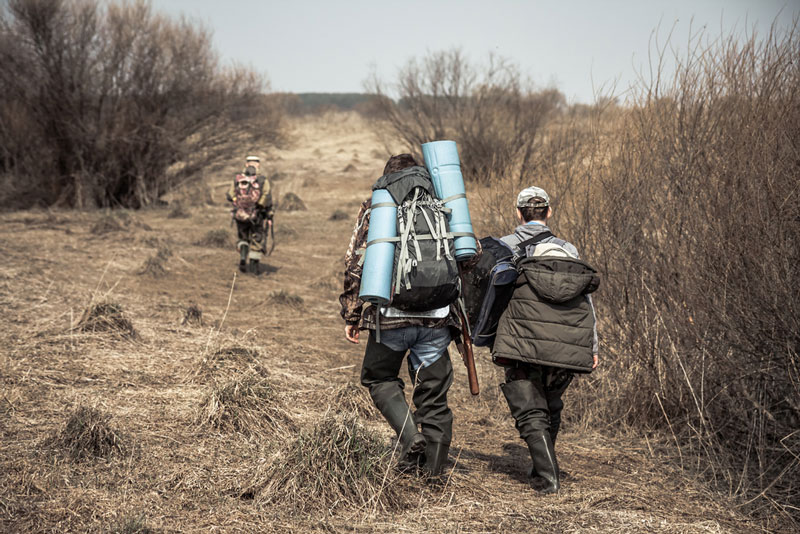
(547, 332)
(251, 197)
(411, 208)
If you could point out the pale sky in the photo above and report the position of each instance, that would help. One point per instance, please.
(576, 46)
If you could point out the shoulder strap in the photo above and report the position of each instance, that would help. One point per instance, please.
(535, 240)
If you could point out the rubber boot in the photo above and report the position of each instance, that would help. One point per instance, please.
(435, 417)
(529, 408)
(544, 462)
(388, 398)
(244, 251)
(254, 267)
(435, 458)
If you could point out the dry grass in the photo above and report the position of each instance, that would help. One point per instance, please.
(335, 464)
(248, 404)
(339, 215)
(285, 299)
(292, 202)
(107, 224)
(88, 435)
(179, 212)
(193, 315)
(217, 238)
(353, 398)
(107, 317)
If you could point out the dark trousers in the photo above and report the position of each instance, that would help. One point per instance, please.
(542, 409)
(382, 365)
(253, 234)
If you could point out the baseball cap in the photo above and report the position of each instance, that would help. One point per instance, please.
(526, 196)
(252, 158)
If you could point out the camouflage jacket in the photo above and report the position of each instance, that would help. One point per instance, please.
(264, 201)
(353, 310)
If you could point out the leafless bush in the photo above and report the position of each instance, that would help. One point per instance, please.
(687, 201)
(284, 298)
(127, 104)
(193, 315)
(493, 115)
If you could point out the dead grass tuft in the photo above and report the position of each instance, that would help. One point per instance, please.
(107, 317)
(179, 212)
(339, 215)
(247, 404)
(89, 434)
(109, 223)
(336, 464)
(284, 298)
(133, 525)
(193, 315)
(292, 202)
(217, 238)
(310, 182)
(352, 398)
(350, 168)
(156, 265)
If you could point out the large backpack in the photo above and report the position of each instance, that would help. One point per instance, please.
(489, 285)
(247, 192)
(425, 273)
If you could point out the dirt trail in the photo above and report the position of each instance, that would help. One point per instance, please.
(54, 265)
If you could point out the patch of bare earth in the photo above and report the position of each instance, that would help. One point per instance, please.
(194, 422)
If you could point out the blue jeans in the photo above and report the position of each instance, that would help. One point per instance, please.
(425, 345)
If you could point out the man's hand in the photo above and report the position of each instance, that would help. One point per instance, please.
(351, 333)
(595, 360)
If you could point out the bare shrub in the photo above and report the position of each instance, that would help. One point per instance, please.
(335, 464)
(350, 168)
(217, 238)
(284, 298)
(128, 104)
(88, 434)
(106, 317)
(686, 200)
(292, 202)
(493, 115)
(310, 182)
(248, 404)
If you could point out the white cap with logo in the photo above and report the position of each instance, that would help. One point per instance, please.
(526, 197)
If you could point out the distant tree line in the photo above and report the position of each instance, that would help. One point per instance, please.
(110, 104)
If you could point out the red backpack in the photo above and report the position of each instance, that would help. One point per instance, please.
(248, 191)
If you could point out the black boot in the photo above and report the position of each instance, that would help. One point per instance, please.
(244, 250)
(526, 400)
(544, 462)
(435, 417)
(389, 399)
(435, 458)
(254, 266)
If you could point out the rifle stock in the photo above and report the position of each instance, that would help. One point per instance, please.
(465, 347)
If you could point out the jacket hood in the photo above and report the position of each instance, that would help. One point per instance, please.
(401, 183)
(557, 279)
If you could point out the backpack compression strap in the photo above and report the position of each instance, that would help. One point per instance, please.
(535, 240)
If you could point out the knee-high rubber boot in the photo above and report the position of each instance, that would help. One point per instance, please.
(244, 251)
(529, 408)
(544, 462)
(435, 417)
(389, 399)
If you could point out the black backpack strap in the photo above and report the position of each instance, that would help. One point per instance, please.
(535, 240)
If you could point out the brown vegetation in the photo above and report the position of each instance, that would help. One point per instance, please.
(128, 104)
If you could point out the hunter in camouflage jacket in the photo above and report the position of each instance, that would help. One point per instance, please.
(353, 310)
